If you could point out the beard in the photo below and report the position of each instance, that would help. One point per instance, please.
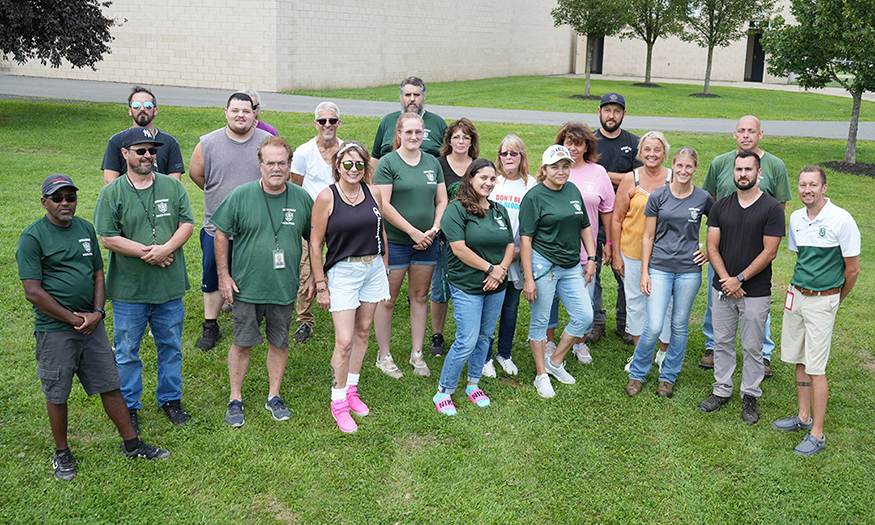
(613, 128)
(142, 169)
(743, 187)
(143, 119)
(413, 108)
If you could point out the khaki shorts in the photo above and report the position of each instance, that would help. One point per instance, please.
(806, 333)
(61, 355)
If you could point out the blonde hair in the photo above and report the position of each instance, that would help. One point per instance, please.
(407, 115)
(514, 143)
(655, 135)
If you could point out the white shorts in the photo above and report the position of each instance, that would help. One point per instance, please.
(352, 283)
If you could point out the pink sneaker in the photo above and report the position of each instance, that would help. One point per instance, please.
(356, 405)
(340, 411)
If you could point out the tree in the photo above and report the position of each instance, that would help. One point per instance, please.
(718, 23)
(55, 30)
(651, 19)
(832, 41)
(593, 19)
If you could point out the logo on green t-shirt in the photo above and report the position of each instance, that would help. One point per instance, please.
(86, 245)
(577, 209)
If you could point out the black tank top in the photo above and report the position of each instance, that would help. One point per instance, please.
(353, 231)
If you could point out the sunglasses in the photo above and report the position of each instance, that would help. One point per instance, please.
(58, 199)
(331, 121)
(142, 151)
(147, 105)
(348, 164)
(513, 154)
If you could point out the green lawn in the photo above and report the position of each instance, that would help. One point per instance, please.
(588, 455)
(671, 100)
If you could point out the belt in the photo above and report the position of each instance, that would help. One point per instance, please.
(831, 291)
(367, 259)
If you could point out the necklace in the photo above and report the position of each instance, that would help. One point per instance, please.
(354, 197)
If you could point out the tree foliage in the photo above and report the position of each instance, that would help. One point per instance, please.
(55, 30)
(832, 41)
(652, 19)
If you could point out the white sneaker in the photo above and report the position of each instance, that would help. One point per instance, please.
(582, 352)
(628, 366)
(508, 365)
(489, 369)
(418, 364)
(387, 365)
(558, 371)
(660, 357)
(542, 384)
(549, 349)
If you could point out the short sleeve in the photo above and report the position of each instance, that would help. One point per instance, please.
(299, 160)
(453, 222)
(709, 203)
(97, 257)
(107, 222)
(384, 174)
(225, 216)
(654, 202)
(308, 204)
(608, 196)
(849, 237)
(440, 172)
(782, 183)
(111, 156)
(710, 184)
(29, 258)
(714, 216)
(528, 216)
(774, 226)
(791, 237)
(376, 151)
(186, 214)
(175, 164)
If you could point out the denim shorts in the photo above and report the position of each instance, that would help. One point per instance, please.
(401, 256)
(352, 283)
(61, 355)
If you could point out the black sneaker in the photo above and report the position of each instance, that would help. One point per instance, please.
(175, 413)
(63, 463)
(211, 334)
(146, 451)
(749, 412)
(437, 345)
(303, 332)
(135, 420)
(714, 402)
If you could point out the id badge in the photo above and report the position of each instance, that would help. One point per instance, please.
(279, 259)
(788, 302)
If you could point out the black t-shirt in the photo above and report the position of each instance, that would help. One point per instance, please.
(741, 238)
(620, 154)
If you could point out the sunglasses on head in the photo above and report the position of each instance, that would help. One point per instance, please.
(58, 199)
(513, 154)
(331, 121)
(142, 151)
(348, 164)
(147, 105)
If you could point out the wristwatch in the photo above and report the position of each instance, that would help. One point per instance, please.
(591, 258)
(740, 277)
(102, 313)
(489, 270)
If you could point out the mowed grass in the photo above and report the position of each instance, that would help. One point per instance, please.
(670, 100)
(588, 455)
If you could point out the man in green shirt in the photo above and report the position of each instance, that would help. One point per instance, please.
(268, 219)
(144, 219)
(62, 273)
(412, 99)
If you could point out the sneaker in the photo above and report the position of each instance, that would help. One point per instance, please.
(387, 365)
(135, 420)
(598, 331)
(633, 388)
(749, 412)
(542, 384)
(714, 402)
(340, 411)
(767, 365)
(507, 365)
(664, 389)
(810, 445)
(660, 357)
(558, 371)
(581, 351)
(146, 451)
(489, 369)
(356, 405)
(792, 424)
(278, 409)
(303, 332)
(234, 415)
(628, 367)
(624, 335)
(418, 363)
(437, 345)
(64, 465)
(175, 413)
(211, 334)
(550, 348)
(707, 360)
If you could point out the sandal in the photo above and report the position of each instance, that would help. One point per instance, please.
(445, 406)
(479, 398)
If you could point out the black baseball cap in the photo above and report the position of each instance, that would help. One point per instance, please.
(136, 136)
(613, 98)
(57, 181)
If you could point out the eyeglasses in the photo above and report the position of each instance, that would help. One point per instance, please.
(280, 164)
(331, 121)
(460, 138)
(147, 105)
(58, 199)
(513, 154)
(142, 151)
(348, 164)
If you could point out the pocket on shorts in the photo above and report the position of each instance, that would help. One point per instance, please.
(49, 374)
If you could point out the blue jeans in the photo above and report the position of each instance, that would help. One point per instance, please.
(665, 287)
(554, 310)
(708, 328)
(129, 325)
(569, 285)
(507, 323)
(476, 316)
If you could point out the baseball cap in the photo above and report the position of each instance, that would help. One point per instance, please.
(613, 98)
(554, 154)
(57, 181)
(136, 136)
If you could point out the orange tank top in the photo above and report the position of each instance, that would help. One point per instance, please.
(633, 223)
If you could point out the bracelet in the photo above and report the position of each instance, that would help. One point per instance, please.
(321, 289)
(100, 311)
(608, 243)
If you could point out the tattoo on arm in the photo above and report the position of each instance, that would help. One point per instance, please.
(798, 383)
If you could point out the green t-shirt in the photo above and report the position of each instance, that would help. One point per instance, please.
(244, 215)
(65, 260)
(774, 180)
(554, 219)
(119, 212)
(486, 236)
(432, 138)
(413, 192)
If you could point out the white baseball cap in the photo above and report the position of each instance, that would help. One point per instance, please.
(554, 154)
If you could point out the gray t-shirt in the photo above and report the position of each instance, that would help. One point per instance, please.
(677, 228)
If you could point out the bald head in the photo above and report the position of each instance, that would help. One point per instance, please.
(748, 133)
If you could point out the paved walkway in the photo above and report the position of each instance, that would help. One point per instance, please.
(16, 86)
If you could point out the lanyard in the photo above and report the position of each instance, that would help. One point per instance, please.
(275, 229)
(151, 217)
